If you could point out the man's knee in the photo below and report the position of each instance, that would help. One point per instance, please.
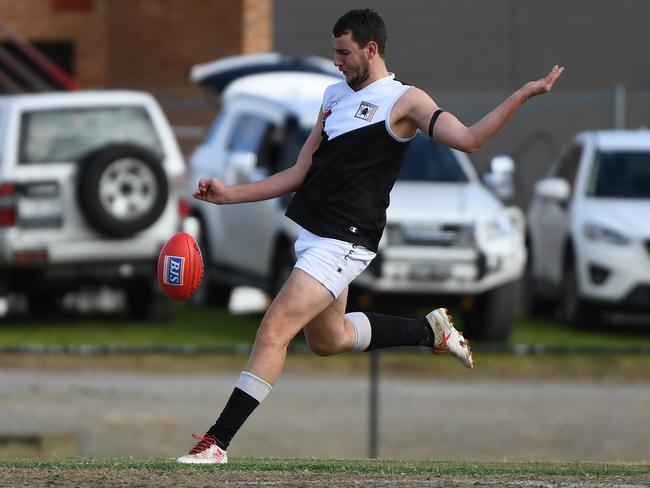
(271, 333)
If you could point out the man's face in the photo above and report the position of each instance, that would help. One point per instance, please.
(351, 60)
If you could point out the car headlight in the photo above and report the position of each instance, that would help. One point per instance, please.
(498, 228)
(597, 232)
(465, 236)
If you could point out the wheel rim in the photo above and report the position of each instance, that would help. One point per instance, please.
(127, 189)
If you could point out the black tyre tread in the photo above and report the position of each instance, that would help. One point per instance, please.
(90, 172)
(493, 314)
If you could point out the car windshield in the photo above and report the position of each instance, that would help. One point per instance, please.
(427, 160)
(620, 174)
(70, 134)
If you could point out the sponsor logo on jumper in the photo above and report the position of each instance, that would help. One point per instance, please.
(366, 111)
(173, 270)
(327, 110)
(354, 230)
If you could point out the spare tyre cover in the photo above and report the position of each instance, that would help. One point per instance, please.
(122, 189)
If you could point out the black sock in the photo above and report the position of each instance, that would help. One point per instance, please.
(390, 331)
(239, 407)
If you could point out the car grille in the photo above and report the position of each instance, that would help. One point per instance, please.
(445, 235)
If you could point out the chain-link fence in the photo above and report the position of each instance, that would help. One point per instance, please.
(554, 407)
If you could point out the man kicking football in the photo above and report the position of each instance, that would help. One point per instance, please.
(342, 179)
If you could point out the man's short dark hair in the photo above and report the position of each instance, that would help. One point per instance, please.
(365, 25)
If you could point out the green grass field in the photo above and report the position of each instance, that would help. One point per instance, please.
(345, 466)
(216, 327)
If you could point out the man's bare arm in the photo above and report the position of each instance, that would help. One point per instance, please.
(419, 107)
(215, 191)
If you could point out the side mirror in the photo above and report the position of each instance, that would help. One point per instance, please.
(556, 189)
(500, 178)
(239, 167)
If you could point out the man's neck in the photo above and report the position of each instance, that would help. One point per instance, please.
(376, 74)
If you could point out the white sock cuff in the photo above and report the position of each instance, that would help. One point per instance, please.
(253, 385)
(362, 329)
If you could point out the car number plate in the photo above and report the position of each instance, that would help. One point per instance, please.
(39, 211)
(428, 272)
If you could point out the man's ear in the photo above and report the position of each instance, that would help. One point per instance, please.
(373, 49)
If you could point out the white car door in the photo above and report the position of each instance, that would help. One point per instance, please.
(554, 226)
(250, 228)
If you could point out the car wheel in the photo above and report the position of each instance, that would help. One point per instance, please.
(573, 310)
(532, 303)
(42, 303)
(122, 189)
(146, 301)
(493, 314)
(283, 264)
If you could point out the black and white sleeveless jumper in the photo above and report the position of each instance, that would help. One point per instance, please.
(347, 189)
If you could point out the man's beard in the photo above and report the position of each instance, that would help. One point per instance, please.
(362, 75)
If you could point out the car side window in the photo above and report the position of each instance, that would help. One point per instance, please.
(292, 139)
(252, 134)
(568, 165)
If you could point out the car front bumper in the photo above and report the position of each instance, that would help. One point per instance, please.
(615, 274)
(441, 271)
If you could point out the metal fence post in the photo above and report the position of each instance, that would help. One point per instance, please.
(374, 405)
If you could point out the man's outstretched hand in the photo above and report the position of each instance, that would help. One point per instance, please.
(543, 85)
(211, 190)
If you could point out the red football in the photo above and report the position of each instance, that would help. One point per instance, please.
(180, 267)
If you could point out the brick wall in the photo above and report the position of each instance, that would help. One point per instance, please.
(39, 22)
(257, 26)
(147, 44)
(144, 44)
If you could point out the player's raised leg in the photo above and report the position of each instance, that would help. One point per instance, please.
(333, 332)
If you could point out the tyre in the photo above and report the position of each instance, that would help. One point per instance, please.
(44, 303)
(493, 314)
(122, 189)
(146, 301)
(533, 304)
(573, 310)
(283, 263)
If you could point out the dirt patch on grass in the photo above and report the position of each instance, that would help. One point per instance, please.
(196, 477)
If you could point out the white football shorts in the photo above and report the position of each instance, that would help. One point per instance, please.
(331, 262)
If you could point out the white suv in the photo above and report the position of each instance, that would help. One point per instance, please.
(447, 236)
(91, 185)
(589, 228)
